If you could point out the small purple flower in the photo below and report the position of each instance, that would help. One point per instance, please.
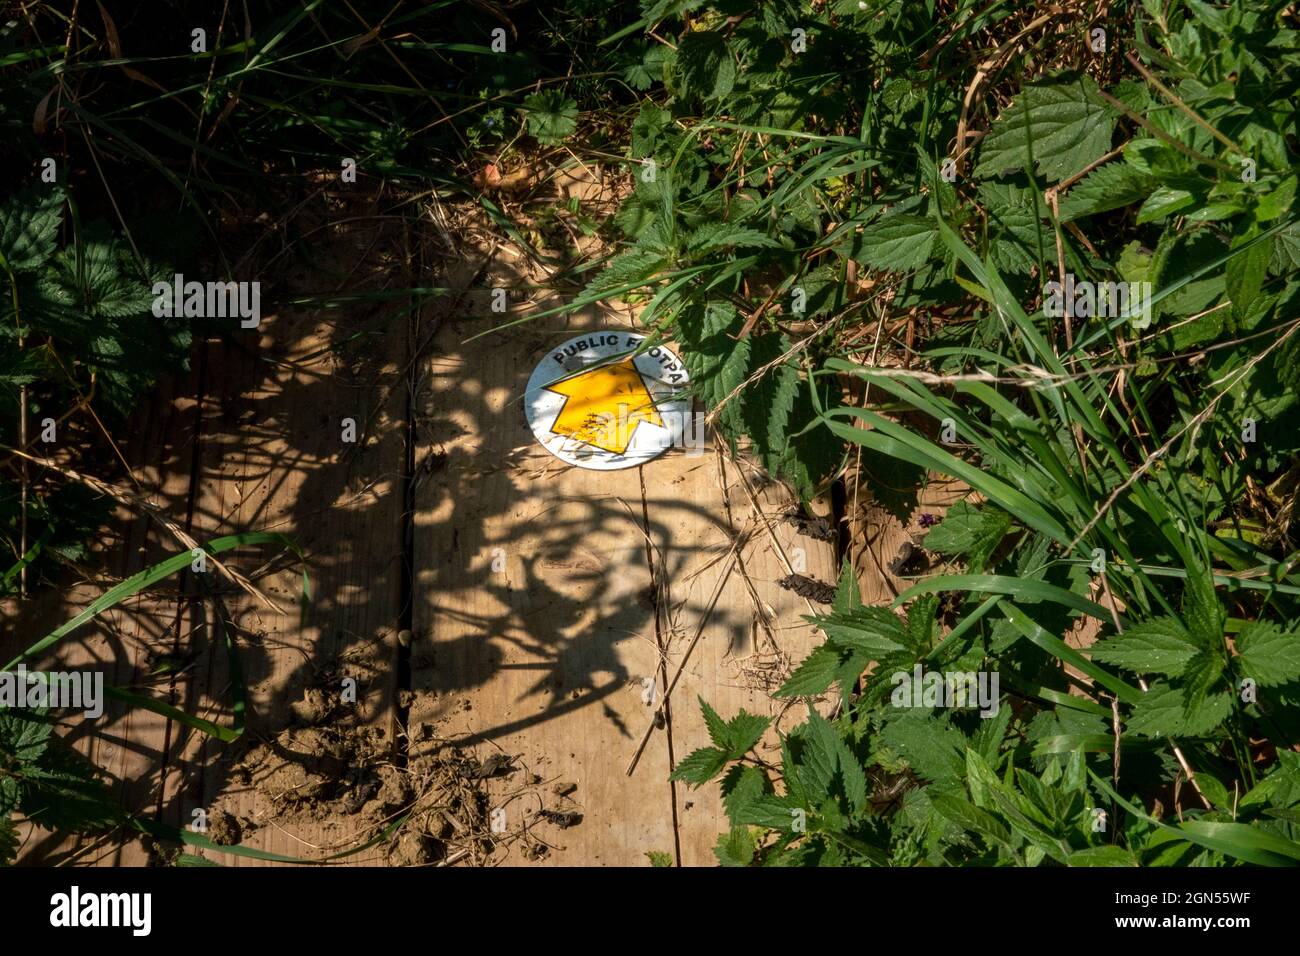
(927, 520)
(491, 121)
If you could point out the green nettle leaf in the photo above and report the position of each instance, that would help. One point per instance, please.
(28, 225)
(1167, 711)
(636, 265)
(814, 675)
(1203, 671)
(552, 117)
(718, 366)
(1286, 250)
(717, 727)
(930, 745)
(10, 794)
(701, 766)
(1281, 788)
(706, 64)
(852, 775)
(742, 786)
(1202, 610)
(1245, 275)
(820, 755)
(735, 848)
(743, 732)
(874, 630)
(719, 235)
(1063, 121)
(969, 531)
(962, 813)
(24, 735)
(775, 407)
(1015, 237)
(1269, 654)
(1112, 186)
(833, 759)
(899, 243)
(1160, 646)
(921, 619)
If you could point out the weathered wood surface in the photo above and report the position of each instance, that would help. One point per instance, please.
(252, 442)
(125, 643)
(553, 604)
(550, 606)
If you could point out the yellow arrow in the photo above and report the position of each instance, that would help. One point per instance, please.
(604, 405)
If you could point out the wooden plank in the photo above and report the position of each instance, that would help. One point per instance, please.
(127, 743)
(273, 458)
(755, 634)
(540, 659)
(552, 658)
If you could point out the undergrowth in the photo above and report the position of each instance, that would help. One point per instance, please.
(849, 216)
(853, 242)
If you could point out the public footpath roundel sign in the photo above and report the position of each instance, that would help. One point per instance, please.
(596, 403)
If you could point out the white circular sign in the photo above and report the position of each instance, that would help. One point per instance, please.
(595, 403)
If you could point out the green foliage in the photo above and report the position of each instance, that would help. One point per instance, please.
(46, 782)
(552, 117)
(1182, 175)
(1059, 126)
(83, 315)
(819, 225)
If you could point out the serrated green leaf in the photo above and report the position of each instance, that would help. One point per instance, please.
(1067, 123)
(873, 630)
(706, 64)
(819, 758)
(1112, 186)
(1244, 277)
(898, 243)
(1269, 654)
(814, 674)
(1159, 646)
(722, 235)
(1202, 610)
(969, 531)
(852, 775)
(717, 727)
(29, 223)
(8, 840)
(743, 732)
(1167, 711)
(701, 766)
(931, 746)
(24, 735)
(735, 848)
